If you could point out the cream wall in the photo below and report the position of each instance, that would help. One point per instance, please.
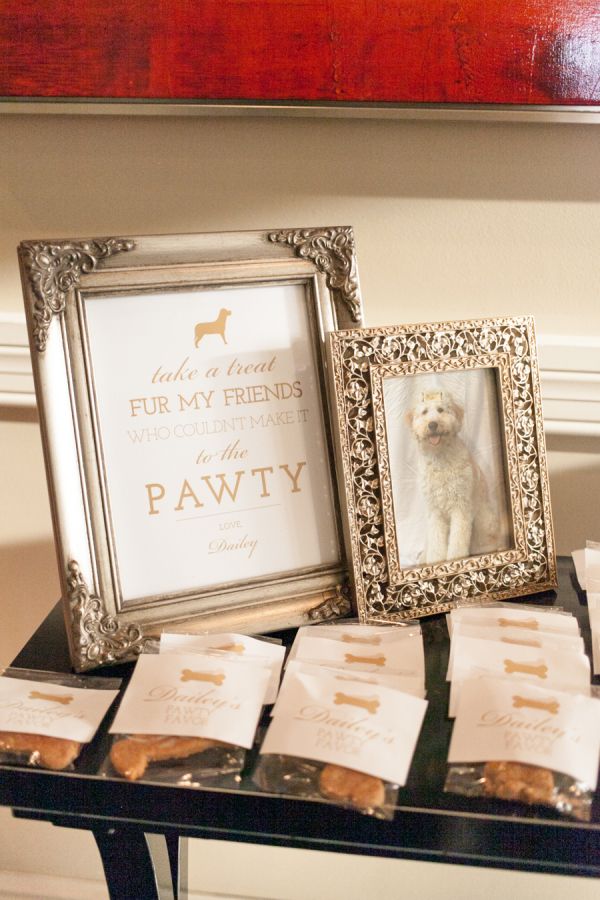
(451, 220)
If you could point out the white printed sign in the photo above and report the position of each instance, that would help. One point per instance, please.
(210, 415)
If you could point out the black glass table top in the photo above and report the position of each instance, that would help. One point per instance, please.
(428, 824)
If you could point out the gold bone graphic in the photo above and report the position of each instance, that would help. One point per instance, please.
(519, 623)
(551, 706)
(231, 648)
(521, 643)
(213, 677)
(350, 639)
(362, 702)
(510, 667)
(370, 660)
(363, 679)
(52, 698)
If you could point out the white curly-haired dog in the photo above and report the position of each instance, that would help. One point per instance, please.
(460, 515)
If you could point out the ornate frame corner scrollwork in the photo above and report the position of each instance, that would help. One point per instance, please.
(98, 638)
(336, 604)
(54, 269)
(361, 360)
(332, 251)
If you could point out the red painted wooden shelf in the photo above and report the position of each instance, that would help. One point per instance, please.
(525, 52)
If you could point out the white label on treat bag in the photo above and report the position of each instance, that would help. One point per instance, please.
(564, 670)
(519, 722)
(579, 562)
(372, 729)
(54, 710)
(407, 683)
(594, 614)
(237, 646)
(193, 696)
(530, 620)
(354, 633)
(511, 636)
(404, 656)
(592, 567)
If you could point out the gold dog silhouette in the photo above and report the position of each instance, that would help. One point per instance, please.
(217, 326)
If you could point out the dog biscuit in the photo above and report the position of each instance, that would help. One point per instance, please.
(518, 781)
(130, 755)
(361, 790)
(49, 752)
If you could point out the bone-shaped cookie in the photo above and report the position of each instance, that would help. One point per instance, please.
(212, 677)
(52, 753)
(369, 660)
(371, 706)
(348, 786)
(351, 639)
(519, 623)
(52, 698)
(550, 706)
(511, 666)
(130, 756)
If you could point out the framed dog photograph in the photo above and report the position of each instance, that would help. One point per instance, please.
(182, 397)
(440, 437)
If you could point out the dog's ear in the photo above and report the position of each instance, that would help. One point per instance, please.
(409, 416)
(458, 412)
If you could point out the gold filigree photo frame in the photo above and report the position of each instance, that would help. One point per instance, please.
(183, 406)
(440, 437)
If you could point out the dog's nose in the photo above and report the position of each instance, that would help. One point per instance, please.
(432, 426)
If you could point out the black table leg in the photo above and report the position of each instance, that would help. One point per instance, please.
(177, 848)
(133, 865)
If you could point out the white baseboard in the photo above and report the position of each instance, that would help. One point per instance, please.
(569, 365)
(570, 379)
(16, 380)
(30, 886)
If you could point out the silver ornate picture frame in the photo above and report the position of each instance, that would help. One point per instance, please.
(440, 437)
(182, 395)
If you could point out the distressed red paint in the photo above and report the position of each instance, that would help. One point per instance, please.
(398, 51)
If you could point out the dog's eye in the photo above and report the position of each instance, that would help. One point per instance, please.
(440, 409)
(424, 411)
